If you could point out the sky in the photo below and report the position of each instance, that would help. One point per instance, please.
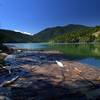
(35, 15)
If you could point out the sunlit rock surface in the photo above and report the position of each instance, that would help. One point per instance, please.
(40, 78)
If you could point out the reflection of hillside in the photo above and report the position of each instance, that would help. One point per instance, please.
(96, 51)
(79, 50)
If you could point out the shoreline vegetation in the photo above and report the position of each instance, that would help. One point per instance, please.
(53, 43)
(36, 76)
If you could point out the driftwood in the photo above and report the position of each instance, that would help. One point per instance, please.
(6, 83)
(1, 66)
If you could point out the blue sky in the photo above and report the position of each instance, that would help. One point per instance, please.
(36, 15)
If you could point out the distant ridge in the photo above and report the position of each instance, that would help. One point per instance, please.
(12, 36)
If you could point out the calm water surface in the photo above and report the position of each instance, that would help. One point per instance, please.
(84, 53)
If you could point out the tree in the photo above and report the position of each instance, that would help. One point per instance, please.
(97, 28)
(1, 38)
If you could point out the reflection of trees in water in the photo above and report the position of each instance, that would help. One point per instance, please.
(96, 50)
(78, 50)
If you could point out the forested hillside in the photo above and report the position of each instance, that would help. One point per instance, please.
(70, 33)
(60, 34)
(12, 36)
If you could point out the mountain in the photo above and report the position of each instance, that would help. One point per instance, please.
(12, 36)
(60, 34)
(49, 33)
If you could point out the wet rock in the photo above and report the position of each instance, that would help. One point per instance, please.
(9, 59)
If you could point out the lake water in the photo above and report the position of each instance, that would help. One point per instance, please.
(84, 53)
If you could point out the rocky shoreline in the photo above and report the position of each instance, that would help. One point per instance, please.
(37, 76)
(4, 51)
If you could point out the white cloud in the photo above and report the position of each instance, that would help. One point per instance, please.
(23, 32)
(27, 33)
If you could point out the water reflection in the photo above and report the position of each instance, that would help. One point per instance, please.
(79, 52)
(84, 53)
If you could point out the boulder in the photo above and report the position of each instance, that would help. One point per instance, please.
(2, 57)
(6, 49)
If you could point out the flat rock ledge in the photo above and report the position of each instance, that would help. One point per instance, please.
(48, 81)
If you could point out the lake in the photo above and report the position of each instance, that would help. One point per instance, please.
(84, 53)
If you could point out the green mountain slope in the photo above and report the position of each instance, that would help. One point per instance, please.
(53, 32)
(70, 33)
(60, 34)
(12, 36)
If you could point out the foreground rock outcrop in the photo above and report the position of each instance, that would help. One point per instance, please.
(41, 78)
